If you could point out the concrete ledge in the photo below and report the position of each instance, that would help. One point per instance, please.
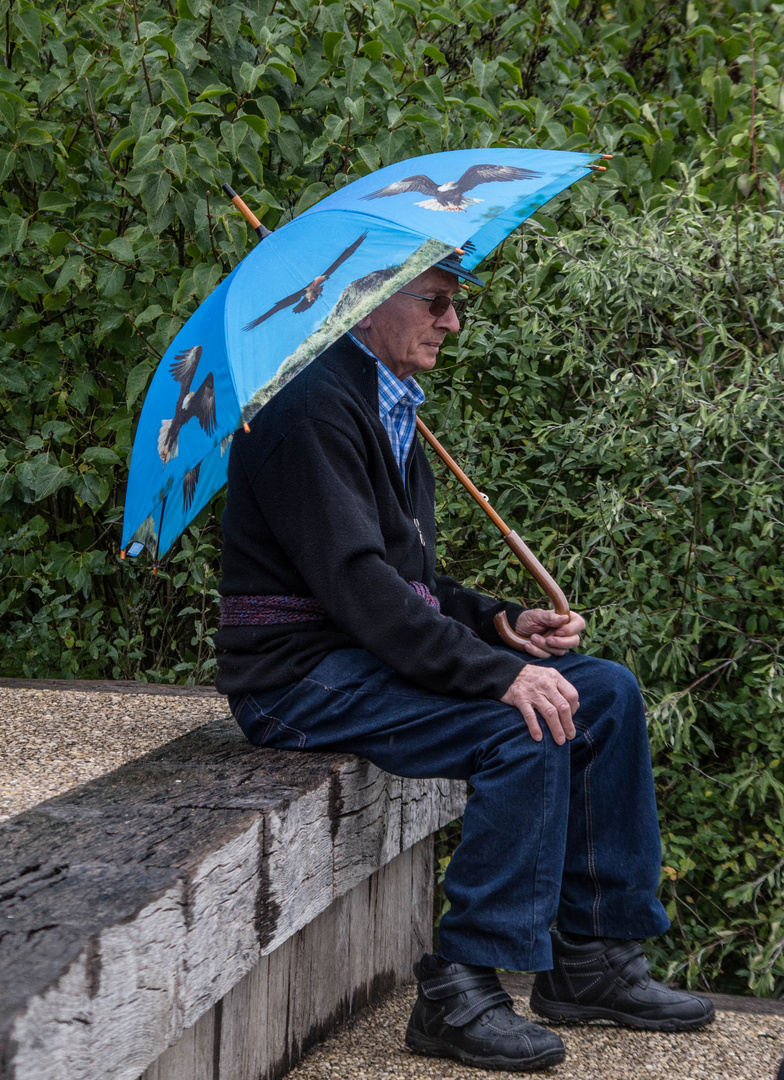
(131, 906)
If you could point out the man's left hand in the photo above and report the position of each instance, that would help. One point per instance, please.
(550, 634)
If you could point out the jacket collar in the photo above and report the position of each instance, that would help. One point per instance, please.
(355, 367)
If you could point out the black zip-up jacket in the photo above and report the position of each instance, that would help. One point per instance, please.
(317, 507)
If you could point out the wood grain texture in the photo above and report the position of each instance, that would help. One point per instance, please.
(130, 906)
(351, 954)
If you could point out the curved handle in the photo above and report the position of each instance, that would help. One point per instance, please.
(542, 578)
(507, 634)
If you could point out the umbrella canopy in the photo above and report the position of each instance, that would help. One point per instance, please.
(302, 288)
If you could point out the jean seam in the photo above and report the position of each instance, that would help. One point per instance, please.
(589, 830)
(539, 846)
(243, 702)
(301, 738)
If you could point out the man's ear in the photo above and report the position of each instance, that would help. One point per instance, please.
(364, 324)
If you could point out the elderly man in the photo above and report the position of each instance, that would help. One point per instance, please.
(338, 634)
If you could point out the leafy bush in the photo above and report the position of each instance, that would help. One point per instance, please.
(616, 390)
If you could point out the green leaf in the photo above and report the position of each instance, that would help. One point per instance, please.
(147, 148)
(16, 231)
(92, 488)
(150, 314)
(100, 455)
(143, 116)
(122, 249)
(119, 145)
(69, 272)
(375, 50)
(284, 69)
(331, 40)
(155, 191)
(213, 90)
(28, 22)
(173, 87)
(42, 477)
(228, 20)
(174, 159)
(513, 71)
(255, 123)
(271, 111)
(7, 162)
(250, 75)
(722, 96)
(310, 196)
(662, 158)
(136, 382)
(233, 136)
(54, 200)
(165, 43)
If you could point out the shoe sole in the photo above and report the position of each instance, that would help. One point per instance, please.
(423, 1044)
(575, 1014)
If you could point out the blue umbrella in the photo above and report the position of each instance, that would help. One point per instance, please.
(302, 288)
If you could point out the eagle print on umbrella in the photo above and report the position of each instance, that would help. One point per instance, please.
(451, 195)
(218, 375)
(198, 404)
(308, 296)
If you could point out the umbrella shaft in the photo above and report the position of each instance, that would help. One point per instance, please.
(542, 578)
(469, 485)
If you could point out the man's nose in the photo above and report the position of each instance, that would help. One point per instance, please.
(449, 320)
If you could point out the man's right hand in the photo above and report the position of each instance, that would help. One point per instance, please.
(551, 695)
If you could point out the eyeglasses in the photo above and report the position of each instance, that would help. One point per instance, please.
(439, 305)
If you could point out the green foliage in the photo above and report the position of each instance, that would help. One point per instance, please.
(617, 389)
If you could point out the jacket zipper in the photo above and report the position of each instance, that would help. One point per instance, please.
(414, 518)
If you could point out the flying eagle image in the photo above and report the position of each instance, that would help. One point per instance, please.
(308, 296)
(191, 479)
(189, 482)
(451, 195)
(199, 403)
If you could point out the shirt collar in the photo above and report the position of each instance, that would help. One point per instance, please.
(392, 390)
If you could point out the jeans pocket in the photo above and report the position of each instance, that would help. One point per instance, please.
(261, 727)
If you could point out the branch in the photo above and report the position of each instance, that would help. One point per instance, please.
(144, 62)
(109, 162)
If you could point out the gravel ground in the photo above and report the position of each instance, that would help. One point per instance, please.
(54, 739)
(736, 1046)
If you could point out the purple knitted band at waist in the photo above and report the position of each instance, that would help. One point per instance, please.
(272, 610)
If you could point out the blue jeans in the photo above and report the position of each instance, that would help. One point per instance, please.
(550, 832)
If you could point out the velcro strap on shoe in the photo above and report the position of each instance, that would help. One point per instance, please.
(629, 962)
(474, 992)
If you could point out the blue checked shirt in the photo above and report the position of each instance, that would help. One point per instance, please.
(398, 400)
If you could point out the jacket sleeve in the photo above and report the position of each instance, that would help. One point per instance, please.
(327, 522)
(474, 609)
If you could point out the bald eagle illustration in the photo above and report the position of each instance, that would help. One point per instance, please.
(191, 479)
(308, 296)
(199, 403)
(189, 482)
(451, 195)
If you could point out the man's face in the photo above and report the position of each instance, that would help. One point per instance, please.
(402, 333)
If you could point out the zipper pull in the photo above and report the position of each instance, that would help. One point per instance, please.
(421, 537)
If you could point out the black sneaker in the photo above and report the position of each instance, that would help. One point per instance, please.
(463, 1012)
(608, 979)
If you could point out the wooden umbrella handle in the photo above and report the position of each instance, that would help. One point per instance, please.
(542, 578)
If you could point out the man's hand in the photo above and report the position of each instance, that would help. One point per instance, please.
(551, 695)
(550, 634)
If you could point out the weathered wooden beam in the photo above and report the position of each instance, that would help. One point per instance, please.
(130, 906)
(353, 953)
